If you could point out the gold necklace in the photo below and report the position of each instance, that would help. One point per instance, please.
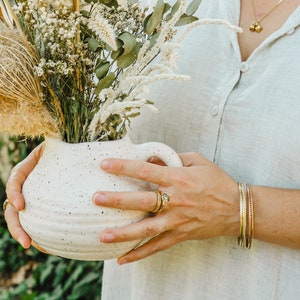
(255, 26)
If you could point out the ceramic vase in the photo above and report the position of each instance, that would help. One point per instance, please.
(59, 214)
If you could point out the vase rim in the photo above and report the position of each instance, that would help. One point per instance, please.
(58, 140)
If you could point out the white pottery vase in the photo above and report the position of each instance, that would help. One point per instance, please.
(59, 214)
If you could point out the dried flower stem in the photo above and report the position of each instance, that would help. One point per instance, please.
(209, 21)
(76, 8)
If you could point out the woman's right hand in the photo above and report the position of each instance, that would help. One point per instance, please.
(15, 198)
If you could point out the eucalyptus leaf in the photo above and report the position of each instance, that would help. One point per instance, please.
(93, 44)
(105, 83)
(167, 7)
(102, 70)
(156, 17)
(115, 54)
(185, 19)
(126, 60)
(129, 42)
(173, 10)
(193, 6)
(85, 13)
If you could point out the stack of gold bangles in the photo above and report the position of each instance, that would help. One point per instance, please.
(246, 216)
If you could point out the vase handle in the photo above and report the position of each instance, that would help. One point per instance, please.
(162, 151)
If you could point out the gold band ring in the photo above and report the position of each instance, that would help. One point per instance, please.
(5, 203)
(162, 199)
(158, 202)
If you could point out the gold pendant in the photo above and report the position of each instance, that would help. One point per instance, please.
(255, 26)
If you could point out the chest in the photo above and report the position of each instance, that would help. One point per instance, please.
(272, 17)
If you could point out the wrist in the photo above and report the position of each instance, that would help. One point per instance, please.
(232, 222)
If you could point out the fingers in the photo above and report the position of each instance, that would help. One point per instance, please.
(146, 201)
(140, 230)
(14, 226)
(138, 169)
(154, 201)
(191, 159)
(14, 194)
(156, 160)
(14, 189)
(18, 175)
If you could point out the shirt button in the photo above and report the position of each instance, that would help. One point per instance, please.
(244, 67)
(215, 109)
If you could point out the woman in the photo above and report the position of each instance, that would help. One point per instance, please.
(239, 114)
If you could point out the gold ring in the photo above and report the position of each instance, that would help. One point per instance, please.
(158, 202)
(162, 199)
(5, 203)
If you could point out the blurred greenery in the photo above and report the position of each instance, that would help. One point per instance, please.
(30, 274)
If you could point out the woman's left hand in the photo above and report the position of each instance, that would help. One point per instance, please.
(203, 204)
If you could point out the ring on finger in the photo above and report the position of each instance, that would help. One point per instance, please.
(5, 203)
(158, 202)
(162, 199)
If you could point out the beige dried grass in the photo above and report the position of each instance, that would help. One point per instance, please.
(22, 111)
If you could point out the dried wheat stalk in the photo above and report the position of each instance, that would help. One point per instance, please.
(20, 92)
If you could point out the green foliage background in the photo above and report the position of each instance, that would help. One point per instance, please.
(44, 277)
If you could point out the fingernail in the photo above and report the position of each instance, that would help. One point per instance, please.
(107, 237)
(151, 159)
(99, 199)
(122, 261)
(105, 164)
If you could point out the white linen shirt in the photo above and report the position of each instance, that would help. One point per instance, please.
(244, 116)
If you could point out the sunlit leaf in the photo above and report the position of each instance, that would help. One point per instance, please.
(156, 17)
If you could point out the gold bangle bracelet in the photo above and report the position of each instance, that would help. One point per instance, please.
(243, 223)
(250, 217)
(246, 216)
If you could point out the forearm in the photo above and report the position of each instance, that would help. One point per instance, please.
(277, 216)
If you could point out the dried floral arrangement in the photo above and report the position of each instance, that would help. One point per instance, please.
(80, 69)
(77, 68)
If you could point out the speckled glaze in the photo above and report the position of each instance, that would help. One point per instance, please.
(60, 216)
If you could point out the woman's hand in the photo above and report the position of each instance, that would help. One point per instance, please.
(204, 203)
(15, 198)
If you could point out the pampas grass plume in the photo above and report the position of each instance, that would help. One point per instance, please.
(22, 111)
